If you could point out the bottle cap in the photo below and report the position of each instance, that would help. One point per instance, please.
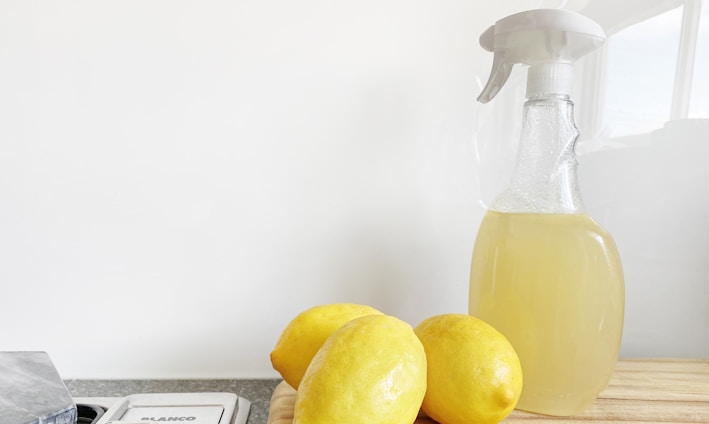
(549, 41)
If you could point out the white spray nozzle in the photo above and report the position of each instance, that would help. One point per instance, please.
(548, 40)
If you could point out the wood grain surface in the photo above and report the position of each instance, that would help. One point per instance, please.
(641, 390)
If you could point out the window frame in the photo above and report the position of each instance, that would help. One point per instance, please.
(594, 72)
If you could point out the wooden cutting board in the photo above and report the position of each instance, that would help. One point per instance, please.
(641, 390)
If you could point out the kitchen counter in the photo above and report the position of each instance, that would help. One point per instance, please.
(641, 390)
(258, 392)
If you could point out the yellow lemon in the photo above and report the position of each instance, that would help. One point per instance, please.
(304, 335)
(474, 374)
(372, 370)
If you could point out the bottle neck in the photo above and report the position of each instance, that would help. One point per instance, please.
(545, 179)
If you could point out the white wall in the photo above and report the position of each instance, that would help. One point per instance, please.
(178, 179)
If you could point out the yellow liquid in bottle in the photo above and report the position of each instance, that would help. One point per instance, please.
(553, 285)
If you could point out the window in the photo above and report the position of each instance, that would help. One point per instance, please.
(640, 73)
(656, 68)
(699, 98)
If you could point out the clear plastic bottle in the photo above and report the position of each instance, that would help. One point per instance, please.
(544, 273)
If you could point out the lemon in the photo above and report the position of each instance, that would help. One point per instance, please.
(372, 370)
(304, 335)
(474, 374)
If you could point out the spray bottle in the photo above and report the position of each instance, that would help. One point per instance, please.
(543, 272)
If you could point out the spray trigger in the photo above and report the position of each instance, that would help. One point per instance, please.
(549, 41)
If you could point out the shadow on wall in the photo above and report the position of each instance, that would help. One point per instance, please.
(654, 199)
